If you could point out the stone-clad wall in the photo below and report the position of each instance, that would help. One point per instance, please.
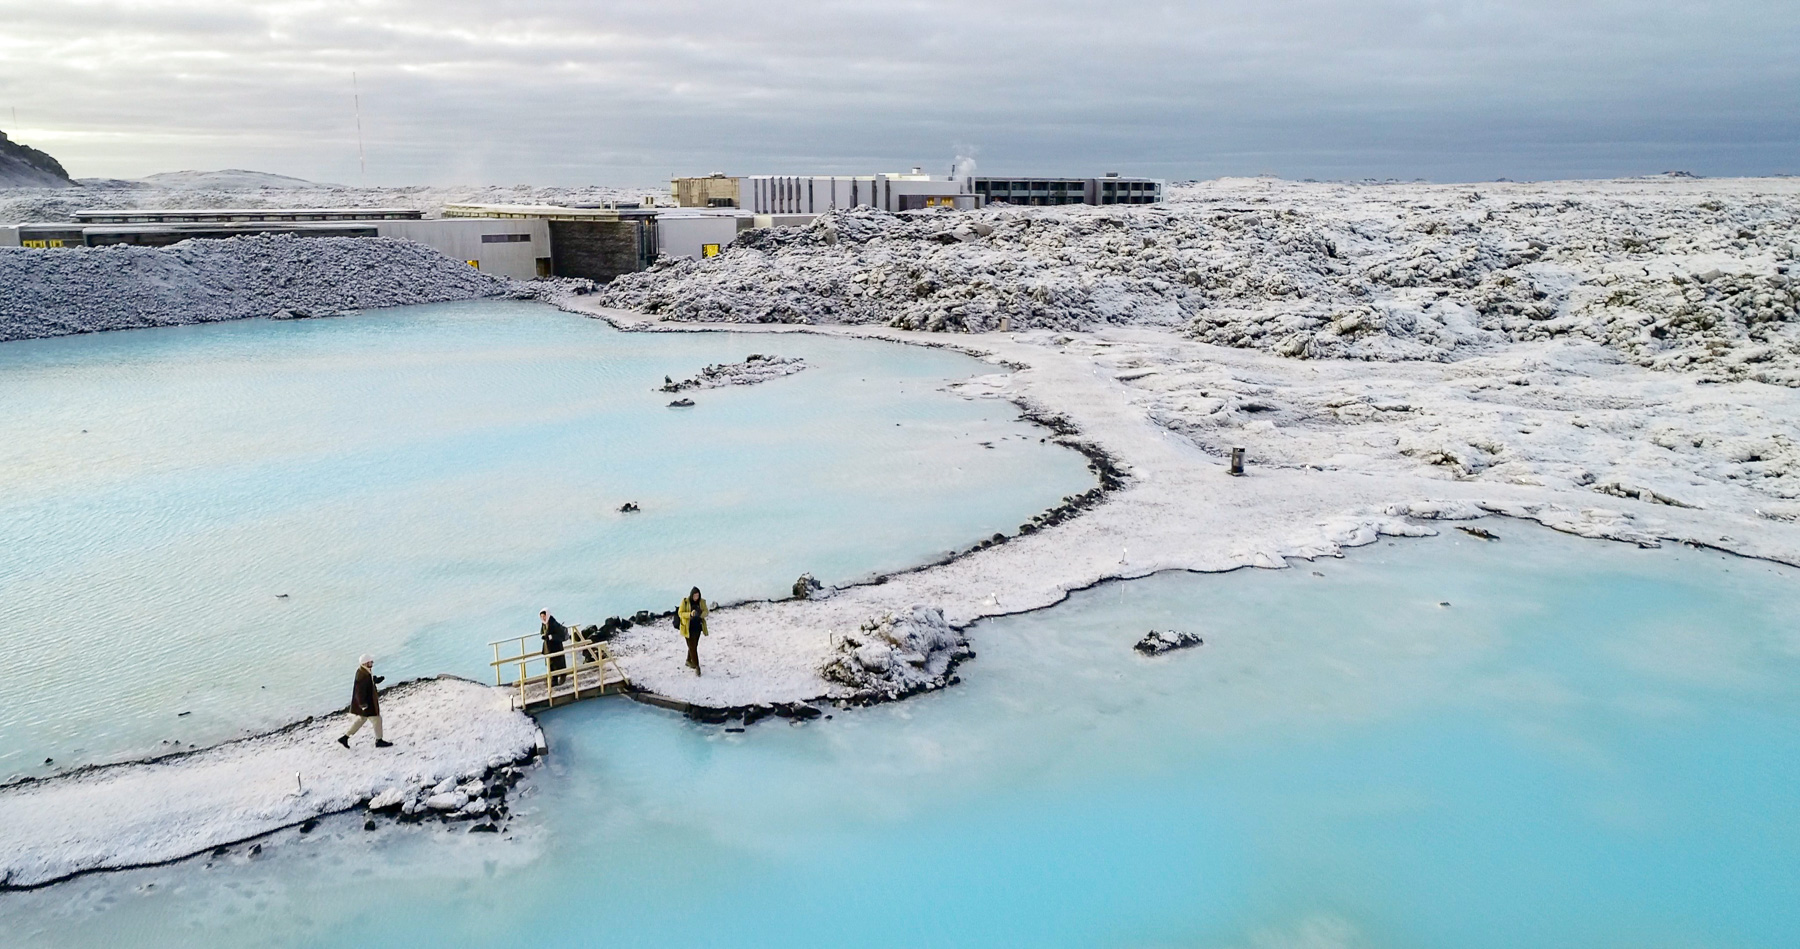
(599, 250)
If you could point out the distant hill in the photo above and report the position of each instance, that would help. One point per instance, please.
(22, 166)
(229, 179)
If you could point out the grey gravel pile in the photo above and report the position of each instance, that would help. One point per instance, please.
(85, 290)
(1670, 275)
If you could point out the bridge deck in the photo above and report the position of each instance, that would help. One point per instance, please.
(588, 670)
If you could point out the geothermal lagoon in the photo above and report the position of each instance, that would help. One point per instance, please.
(1540, 740)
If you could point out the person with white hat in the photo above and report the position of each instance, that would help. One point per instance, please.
(365, 703)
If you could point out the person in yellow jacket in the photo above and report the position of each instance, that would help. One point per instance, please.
(690, 618)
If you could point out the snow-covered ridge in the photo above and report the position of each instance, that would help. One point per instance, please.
(134, 814)
(226, 179)
(88, 289)
(1670, 273)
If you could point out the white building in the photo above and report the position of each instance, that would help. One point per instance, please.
(816, 194)
(518, 248)
(698, 232)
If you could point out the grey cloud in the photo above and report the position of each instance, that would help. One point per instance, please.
(565, 92)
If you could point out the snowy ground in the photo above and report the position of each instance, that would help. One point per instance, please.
(150, 812)
(1568, 433)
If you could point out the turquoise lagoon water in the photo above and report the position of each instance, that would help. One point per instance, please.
(1589, 745)
(421, 481)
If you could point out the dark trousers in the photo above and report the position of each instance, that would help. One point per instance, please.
(693, 659)
(558, 661)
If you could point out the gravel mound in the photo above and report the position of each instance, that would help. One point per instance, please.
(1671, 275)
(27, 205)
(86, 290)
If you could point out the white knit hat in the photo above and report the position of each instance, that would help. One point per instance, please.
(366, 660)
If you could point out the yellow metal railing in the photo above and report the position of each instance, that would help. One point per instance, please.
(531, 675)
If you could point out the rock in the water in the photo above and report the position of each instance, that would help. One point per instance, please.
(1480, 532)
(629, 507)
(1157, 642)
(682, 404)
(756, 368)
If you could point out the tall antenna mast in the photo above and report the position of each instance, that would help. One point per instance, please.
(362, 163)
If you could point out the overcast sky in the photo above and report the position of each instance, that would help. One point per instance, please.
(589, 91)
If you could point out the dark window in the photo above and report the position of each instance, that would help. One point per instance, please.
(505, 238)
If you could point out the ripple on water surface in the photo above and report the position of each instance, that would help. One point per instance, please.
(421, 481)
(1591, 745)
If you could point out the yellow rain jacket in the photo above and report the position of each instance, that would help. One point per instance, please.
(687, 616)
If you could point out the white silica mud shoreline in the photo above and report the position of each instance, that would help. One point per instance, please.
(1341, 454)
(1611, 359)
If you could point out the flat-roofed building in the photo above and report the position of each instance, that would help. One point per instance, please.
(597, 243)
(1107, 189)
(699, 232)
(716, 190)
(516, 248)
(817, 194)
(1032, 191)
(242, 215)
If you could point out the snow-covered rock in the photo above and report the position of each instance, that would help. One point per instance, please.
(896, 654)
(390, 799)
(1156, 642)
(1671, 274)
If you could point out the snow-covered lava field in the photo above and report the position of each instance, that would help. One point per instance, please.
(1614, 359)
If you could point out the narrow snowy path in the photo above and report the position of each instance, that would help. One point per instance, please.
(143, 813)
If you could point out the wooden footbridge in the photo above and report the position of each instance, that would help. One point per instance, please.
(585, 669)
